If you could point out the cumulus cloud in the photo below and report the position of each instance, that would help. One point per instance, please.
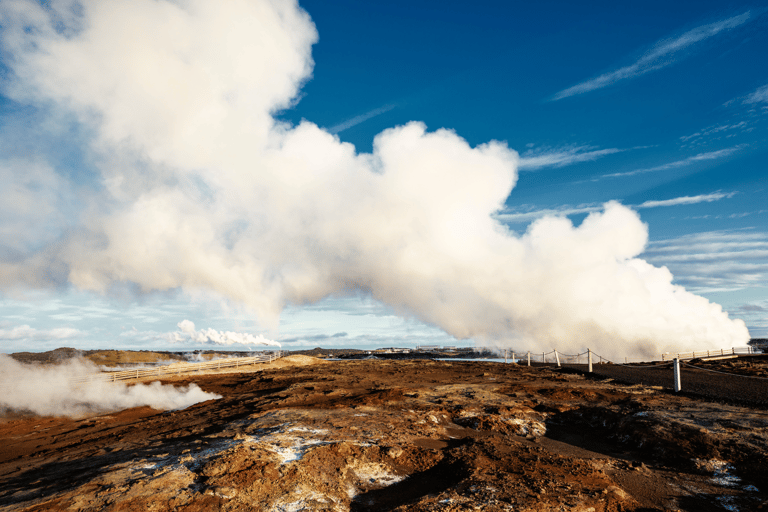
(188, 333)
(662, 54)
(64, 390)
(203, 189)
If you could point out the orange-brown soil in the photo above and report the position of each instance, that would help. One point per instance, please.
(412, 435)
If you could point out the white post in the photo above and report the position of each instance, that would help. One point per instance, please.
(557, 357)
(529, 358)
(677, 375)
(589, 360)
(513, 357)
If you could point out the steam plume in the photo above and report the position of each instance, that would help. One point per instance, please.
(214, 337)
(203, 188)
(56, 391)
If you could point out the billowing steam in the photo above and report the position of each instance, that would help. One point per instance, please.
(188, 333)
(204, 189)
(61, 390)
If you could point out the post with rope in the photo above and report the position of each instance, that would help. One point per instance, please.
(557, 358)
(589, 360)
(513, 357)
(676, 373)
(529, 358)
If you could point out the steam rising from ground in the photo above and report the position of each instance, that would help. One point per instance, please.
(57, 391)
(203, 188)
(213, 337)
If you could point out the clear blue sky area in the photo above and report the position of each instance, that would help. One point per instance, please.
(661, 106)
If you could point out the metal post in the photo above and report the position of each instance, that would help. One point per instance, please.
(513, 357)
(589, 360)
(557, 358)
(505, 355)
(529, 358)
(677, 374)
(543, 358)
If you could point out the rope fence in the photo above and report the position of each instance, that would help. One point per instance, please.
(676, 363)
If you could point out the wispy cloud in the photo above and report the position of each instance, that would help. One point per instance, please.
(518, 217)
(661, 55)
(346, 125)
(27, 333)
(760, 95)
(532, 160)
(714, 130)
(715, 260)
(710, 155)
(704, 198)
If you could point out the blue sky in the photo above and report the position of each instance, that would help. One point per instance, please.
(661, 107)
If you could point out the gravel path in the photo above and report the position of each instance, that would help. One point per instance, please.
(718, 386)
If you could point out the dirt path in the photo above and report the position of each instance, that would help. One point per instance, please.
(396, 435)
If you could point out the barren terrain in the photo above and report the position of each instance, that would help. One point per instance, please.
(307, 434)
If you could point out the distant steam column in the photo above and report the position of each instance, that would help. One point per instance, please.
(676, 367)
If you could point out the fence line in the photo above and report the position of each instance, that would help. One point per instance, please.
(686, 365)
(709, 353)
(542, 357)
(181, 369)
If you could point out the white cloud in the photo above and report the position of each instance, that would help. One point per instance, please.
(517, 217)
(559, 157)
(714, 260)
(22, 333)
(510, 216)
(760, 95)
(346, 125)
(703, 198)
(660, 55)
(701, 157)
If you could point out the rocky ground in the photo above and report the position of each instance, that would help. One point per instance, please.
(416, 435)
